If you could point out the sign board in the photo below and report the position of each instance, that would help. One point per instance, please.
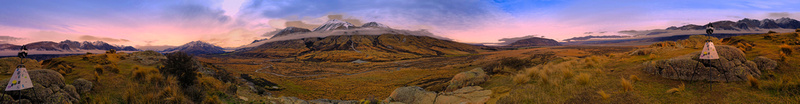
(20, 80)
(709, 52)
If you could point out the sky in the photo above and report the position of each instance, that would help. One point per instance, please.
(233, 23)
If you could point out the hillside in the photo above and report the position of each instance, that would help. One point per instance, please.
(196, 47)
(534, 41)
(385, 47)
(68, 46)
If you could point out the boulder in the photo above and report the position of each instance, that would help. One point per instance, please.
(82, 85)
(468, 78)
(417, 95)
(466, 95)
(48, 87)
(292, 100)
(765, 63)
(411, 95)
(731, 66)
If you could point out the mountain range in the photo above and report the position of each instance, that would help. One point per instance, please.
(745, 24)
(341, 41)
(196, 47)
(68, 46)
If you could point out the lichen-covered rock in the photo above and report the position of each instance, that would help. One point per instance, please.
(292, 100)
(82, 85)
(468, 78)
(411, 95)
(765, 63)
(48, 87)
(466, 95)
(731, 66)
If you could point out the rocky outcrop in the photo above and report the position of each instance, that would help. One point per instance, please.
(417, 95)
(82, 85)
(731, 66)
(535, 41)
(469, 78)
(49, 87)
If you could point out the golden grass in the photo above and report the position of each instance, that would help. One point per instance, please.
(626, 85)
(603, 94)
(521, 79)
(753, 82)
(678, 89)
(583, 78)
(634, 78)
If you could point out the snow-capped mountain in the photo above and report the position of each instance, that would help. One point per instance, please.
(374, 24)
(290, 30)
(745, 24)
(196, 47)
(69, 46)
(334, 24)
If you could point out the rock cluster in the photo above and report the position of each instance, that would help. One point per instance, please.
(468, 78)
(731, 66)
(417, 95)
(49, 87)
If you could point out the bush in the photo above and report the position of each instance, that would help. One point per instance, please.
(626, 84)
(112, 51)
(583, 78)
(181, 65)
(521, 79)
(98, 68)
(112, 67)
(786, 49)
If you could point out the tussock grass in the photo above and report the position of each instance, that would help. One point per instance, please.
(626, 85)
(583, 78)
(753, 82)
(603, 94)
(521, 79)
(634, 78)
(680, 88)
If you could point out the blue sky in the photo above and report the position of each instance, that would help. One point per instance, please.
(234, 23)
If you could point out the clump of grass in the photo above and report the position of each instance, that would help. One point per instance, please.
(603, 94)
(521, 79)
(98, 68)
(634, 78)
(679, 89)
(626, 85)
(753, 81)
(583, 78)
(567, 73)
(786, 49)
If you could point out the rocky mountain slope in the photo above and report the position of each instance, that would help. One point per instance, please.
(196, 47)
(745, 24)
(334, 24)
(68, 46)
(534, 41)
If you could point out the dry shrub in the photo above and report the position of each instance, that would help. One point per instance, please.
(112, 67)
(634, 78)
(96, 77)
(98, 69)
(521, 79)
(211, 100)
(753, 81)
(786, 49)
(603, 94)
(626, 84)
(583, 78)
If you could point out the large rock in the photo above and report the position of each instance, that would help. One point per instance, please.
(468, 95)
(468, 78)
(82, 85)
(411, 95)
(731, 66)
(417, 95)
(765, 63)
(48, 88)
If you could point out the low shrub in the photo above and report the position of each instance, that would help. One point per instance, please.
(786, 49)
(634, 78)
(98, 69)
(753, 81)
(521, 79)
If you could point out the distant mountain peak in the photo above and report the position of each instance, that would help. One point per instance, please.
(290, 30)
(196, 47)
(334, 24)
(374, 24)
